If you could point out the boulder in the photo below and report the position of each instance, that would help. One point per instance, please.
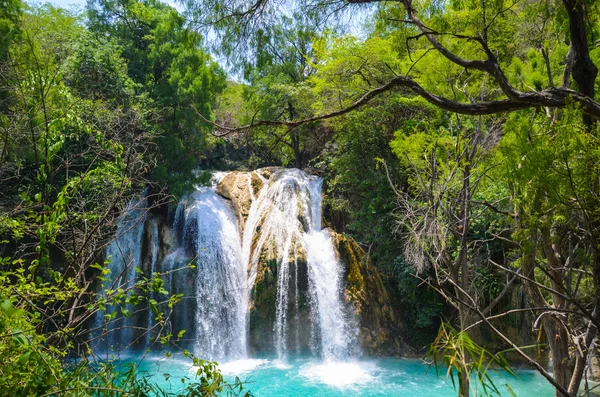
(240, 188)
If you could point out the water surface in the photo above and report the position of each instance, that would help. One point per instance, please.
(304, 376)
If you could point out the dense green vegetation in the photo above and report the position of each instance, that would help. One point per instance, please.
(91, 114)
(458, 142)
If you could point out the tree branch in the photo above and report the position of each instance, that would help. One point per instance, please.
(552, 97)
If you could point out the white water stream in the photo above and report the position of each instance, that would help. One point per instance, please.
(287, 216)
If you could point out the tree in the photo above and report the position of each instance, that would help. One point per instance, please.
(477, 30)
(551, 174)
(277, 61)
(438, 214)
(72, 163)
(10, 12)
(359, 201)
(164, 58)
(76, 152)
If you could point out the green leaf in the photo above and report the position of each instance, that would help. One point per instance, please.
(21, 338)
(24, 358)
(7, 307)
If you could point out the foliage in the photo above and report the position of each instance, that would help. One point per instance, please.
(99, 60)
(10, 30)
(78, 135)
(164, 58)
(27, 368)
(455, 351)
(359, 200)
(467, 190)
(34, 359)
(348, 67)
(93, 114)
(277, 62)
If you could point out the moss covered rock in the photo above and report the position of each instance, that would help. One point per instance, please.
(380, 328)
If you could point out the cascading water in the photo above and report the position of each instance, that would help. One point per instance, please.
(336, 323)
(282, 279)
(274, 215)
(125, 255)
(210, 237)
(153, 242)
(281, 231)
(284, 223)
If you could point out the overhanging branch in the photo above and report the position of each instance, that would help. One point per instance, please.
(552, 97)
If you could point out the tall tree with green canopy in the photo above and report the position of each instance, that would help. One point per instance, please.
(448, 31)
(165, 58)
(551, 176)
(72, 162)
(276, 60)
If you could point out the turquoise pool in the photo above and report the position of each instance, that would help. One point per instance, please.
(304, 376)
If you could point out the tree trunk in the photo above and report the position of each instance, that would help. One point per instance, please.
(558, 341)
(460, 271)
(592, 330)
(295, 139)
(296, 148)
(581, 359)
(464, 382)
(583, 70)
(558, 338)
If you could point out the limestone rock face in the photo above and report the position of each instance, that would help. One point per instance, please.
(380, 328)
(240, 188)
(167, 240)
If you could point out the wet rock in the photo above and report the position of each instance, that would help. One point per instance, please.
(240, 187)
(263, 298)
(379, 328)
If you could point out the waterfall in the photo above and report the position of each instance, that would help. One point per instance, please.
(281, 234)
(284, 223)
(338, 330)
(210, 238)
(124, 254)
(274, 215)
(153, 268)
(180, 282)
